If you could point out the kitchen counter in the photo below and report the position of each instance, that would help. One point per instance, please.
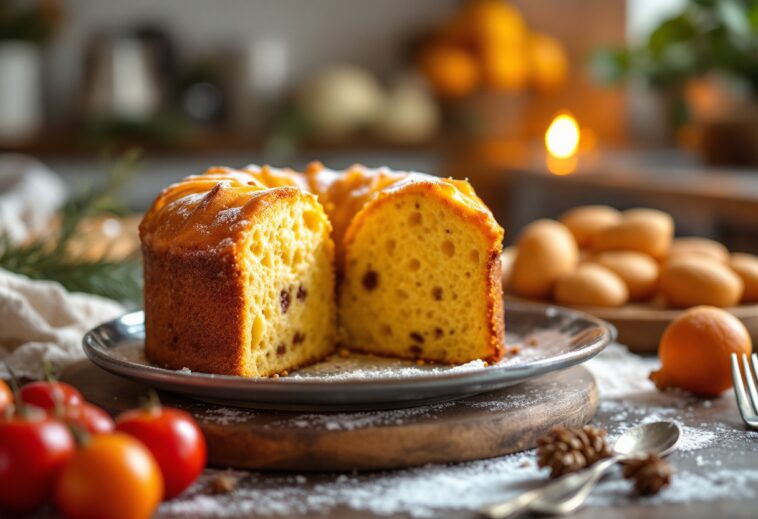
(716, 468)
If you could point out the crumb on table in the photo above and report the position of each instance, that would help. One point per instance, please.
(222, 484)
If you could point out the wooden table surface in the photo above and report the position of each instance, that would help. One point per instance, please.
(717, 472)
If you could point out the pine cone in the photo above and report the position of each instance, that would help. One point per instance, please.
(567, 450)
(650, 474)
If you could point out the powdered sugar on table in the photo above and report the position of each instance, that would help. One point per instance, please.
(717, 459)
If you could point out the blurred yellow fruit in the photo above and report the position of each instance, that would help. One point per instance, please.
(690, 246)
(546, 252)
(451, 71)
(700, 280)
(591, 285)
(507, 57)
(586, 221)
(494, 23)
(746, 267)
(507, 258)
(504, 68)
(644, 230)
(548, 65)
(638, 271)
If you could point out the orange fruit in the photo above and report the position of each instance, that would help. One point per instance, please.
(452, 71)
(504, 68)
(494, 23)
(695, 351)
(548, 62)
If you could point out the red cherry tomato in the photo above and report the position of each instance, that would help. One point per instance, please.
(174, 439)
(89, 418)
(46, 395)
(6, 396)
(113, 476)
(33, 450)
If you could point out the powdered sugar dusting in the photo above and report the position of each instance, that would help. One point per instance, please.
(224, 415)
(716, 459)
(619, 373)
(361, 367)
(363, 420)
(349, 421)
(421, 491)
(367, 367)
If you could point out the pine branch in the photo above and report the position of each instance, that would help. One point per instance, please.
(46, 258)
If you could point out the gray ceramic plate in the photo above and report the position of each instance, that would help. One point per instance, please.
(550, 338)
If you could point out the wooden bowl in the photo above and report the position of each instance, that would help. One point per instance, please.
(640, 325)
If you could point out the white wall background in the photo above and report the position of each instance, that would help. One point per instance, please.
(644, 15)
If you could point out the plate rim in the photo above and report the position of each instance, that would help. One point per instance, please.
(96, 352)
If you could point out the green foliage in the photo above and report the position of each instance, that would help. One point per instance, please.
(50, 258)
(28, 21)
(708, 35)
(163, 129)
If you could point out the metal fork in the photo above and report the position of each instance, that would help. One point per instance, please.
(747, 401)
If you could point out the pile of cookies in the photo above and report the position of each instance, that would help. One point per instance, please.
(598, 256)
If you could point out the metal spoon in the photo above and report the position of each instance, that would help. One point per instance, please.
(568, 493)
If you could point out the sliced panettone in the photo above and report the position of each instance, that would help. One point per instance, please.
(421, 268)
(238, 277)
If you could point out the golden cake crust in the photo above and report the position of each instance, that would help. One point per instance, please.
(180, 332)
(206, 211)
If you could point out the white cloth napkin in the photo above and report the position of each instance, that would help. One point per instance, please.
(30, 194)
(41, 323)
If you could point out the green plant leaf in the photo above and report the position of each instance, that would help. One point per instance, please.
(609, 65)
(674, 30)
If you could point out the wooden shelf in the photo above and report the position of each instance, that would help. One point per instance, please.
(71, 143)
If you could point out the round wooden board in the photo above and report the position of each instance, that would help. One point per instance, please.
(641, 325)
(477, 427)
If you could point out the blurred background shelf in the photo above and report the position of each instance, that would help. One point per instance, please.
(661, 94)
(65, 144)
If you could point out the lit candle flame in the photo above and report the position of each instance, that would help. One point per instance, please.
(562, 142)
(562, 136)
